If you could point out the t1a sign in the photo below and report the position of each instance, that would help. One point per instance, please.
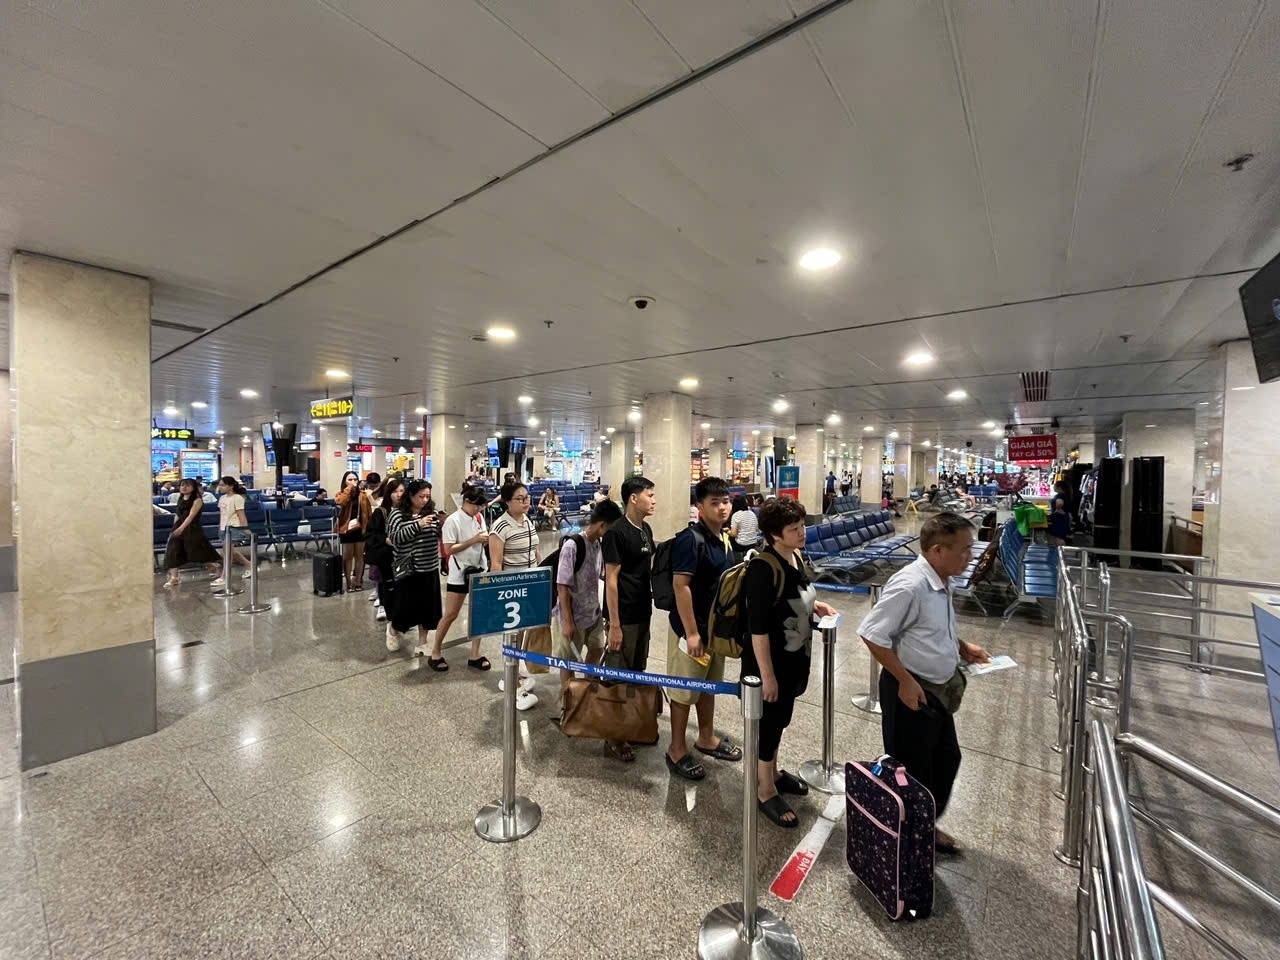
(789, 482)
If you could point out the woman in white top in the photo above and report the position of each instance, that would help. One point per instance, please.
(463, 538)
(744, 527)
(513, 545)
(231, 514)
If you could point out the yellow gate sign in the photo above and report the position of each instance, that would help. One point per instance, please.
(336, 408)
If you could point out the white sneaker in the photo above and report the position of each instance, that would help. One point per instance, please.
(527, 684)
(393, 638)
(524, 670)
(526, 701)
(380, 613)
(218, 582)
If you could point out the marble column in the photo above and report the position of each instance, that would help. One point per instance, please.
(872, 452)
(1171, 437)
(622, 458)
(810, 447)
(668, 427)
(716, 457)
(449, 459)
(84, 638)
(901, 469)
(332, 438)
(8, 553)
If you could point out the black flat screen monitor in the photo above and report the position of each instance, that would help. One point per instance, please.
(1260, 297)
(517, 456)
(266, 435)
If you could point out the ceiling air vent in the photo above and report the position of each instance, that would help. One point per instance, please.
(1035, 386)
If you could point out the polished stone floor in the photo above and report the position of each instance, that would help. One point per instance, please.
(310, 795)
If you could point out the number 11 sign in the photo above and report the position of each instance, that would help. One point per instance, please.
(510, 600)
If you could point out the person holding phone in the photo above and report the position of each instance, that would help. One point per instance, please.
(354, 507)
(464, 535)
(912, 634)
(414, 534)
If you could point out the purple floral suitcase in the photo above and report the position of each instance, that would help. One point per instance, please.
(890, 836)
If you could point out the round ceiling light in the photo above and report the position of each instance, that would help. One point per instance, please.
(248, 394)
(819, 258)
(634, 416)
(524, 398)
(780, 405)
(893, 434)
(988, 424)
(420, 410)
(199, 405)
(868, 428)
(689, 383)
(170, 411)
(704, 426)
(500, 333)
(833, 419)
(532, 421)
(337, 374)
(957, 394)
(918, 359)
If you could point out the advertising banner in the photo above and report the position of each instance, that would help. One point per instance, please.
(1040, 448)
(789, 482)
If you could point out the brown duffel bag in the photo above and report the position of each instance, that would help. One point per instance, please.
(596, 710)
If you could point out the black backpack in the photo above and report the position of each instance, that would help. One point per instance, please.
(661, 577)
(579, 558)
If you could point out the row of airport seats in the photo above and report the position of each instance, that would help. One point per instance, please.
(1032, 567)
(573, 497)
(840, 548)
(845, 506)
(984, 491)
(274, 528)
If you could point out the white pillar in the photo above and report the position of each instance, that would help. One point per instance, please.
(332, 438)
(716, 458)
(449, 459)
(872, 452)
(668, 427)
(902, 468)
(8, 558)
(621, 462)
(84, 642)
(1172, 436)
(809, 458)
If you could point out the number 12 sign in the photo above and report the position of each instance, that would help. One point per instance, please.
(510, 600)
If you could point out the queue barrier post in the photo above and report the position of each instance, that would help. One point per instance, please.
(870, 701)
(228, 549)
(745, 931)
(253, 606)
(823, 775)
(510, 817)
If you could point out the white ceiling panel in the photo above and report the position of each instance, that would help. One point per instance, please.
(699, 31)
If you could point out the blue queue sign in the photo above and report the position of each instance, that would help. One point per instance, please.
(510, 600)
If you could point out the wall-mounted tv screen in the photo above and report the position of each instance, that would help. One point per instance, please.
(517, 455)
(266, 436)
(1260, 297)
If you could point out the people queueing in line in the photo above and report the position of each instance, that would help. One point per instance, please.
(781, 603)
(463, 539)
(628, 549)
(513, 545)
(912, 634)
(377, 551)
(700, 553)
(413, 530)
(577, 623)
(744, 528)
(231, 513)
(188, 543)
(354, 508)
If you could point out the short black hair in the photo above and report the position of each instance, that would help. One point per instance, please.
(779, 513)
(475, 495)
(634, 485)
(509, 490)
(607, 511)
(942, 527)
(710, 487)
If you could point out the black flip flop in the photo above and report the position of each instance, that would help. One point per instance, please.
(480, 663)
(790, 783)
(775, 808)
(724, 750)
(688, 768)
(438, 665)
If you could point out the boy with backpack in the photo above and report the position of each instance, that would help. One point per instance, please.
(699, 554)
(577, 631)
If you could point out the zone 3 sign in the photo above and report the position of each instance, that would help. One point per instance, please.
(510, 600)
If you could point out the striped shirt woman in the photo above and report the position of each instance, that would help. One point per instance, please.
(414, 536)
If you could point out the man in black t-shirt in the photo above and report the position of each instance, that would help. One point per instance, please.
(628, 555)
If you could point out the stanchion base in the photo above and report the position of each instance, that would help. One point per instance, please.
(720, 936)
(491, 825)
(227, 594)
(867, 702)
(1062, 856)
(815, 775)
(254, 608)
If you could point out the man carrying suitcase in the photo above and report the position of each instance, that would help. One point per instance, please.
(912, 633)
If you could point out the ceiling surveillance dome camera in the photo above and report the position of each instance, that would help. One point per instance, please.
(641, 303)
(968, 443)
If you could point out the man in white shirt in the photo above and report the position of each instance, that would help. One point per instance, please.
(911, 632)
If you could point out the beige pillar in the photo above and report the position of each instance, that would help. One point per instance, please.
(1172, 436)
(872, 452)
(85, 641)
(8, 557)
(716, 455)
(449, 459)
(668, 427)
(901, 468)
(621, 462)
(332, 438)
(809, 458)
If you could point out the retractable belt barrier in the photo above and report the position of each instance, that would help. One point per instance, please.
(620, 675)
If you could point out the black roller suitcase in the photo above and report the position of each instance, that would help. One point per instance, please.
(890, 836)
(326, 574)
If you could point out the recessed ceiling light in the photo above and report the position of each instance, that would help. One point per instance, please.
(634, 416)
(893, 434)
(532, 421)
(704, 426)
(918, 359)
(419, 410)
(170, 411)
(337, 374)
(198, 405)
(988, 424)
(1148, 425)
(452, 426)
(819, 258)
(844, 444)
(868, 428)
(957, 394)
(1242, 388)
(833, 419)
(688, 383)
(221, 433)
(471, 442)
(244, 429)
(822, 430)
(500, 333)
(711, 439)
(997, 433)
(244, 439)
(542, 433)
(780, 405)
(248, 394)
(792, 437)
(611, 430)
(498, 433)
(524, 398)
(277, 424)
(928, 444)
(601, 436)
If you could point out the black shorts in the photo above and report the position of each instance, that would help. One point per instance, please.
(456, 588)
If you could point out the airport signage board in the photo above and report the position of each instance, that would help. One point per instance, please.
(510, 600)
(333, 408)
(1041, 448)
(789, 481)
(172, 433)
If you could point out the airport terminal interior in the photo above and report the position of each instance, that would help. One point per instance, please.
(562, 324)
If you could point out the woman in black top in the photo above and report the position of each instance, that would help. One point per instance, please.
(377, 550)
(780, 607)
(187, 543)
(414, 534)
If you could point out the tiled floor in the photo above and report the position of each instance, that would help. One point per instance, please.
(310, 795)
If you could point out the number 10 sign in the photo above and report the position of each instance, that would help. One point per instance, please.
(511, 600)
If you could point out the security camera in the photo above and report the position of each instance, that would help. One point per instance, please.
(968, 443)
(641, 303)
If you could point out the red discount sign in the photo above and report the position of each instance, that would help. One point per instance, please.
(1041, 447)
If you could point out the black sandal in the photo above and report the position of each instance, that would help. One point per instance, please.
(479, 663)
(724, 750)
(688, 768)
(790, 783)
(775, 808)
(438, 665)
